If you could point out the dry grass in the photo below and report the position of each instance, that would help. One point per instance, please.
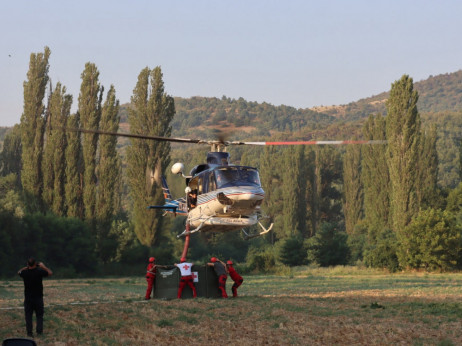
(309, 308)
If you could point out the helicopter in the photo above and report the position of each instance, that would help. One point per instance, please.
(219, 196)
(227, 197)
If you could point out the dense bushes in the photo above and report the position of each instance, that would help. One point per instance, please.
(66, 245)
(431, 241)
(293, 252)
(329, 246)
(382, 252)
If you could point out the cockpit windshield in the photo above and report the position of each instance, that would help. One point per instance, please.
(236, 176)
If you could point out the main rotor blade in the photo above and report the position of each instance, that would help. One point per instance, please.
(131, 135)
(222, 142)
(311, 142)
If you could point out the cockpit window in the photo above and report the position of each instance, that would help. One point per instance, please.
(237, 176)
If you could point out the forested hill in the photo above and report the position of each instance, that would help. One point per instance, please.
(205, 116)
(436, 94)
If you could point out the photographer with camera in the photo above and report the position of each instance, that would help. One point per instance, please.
(32, 276)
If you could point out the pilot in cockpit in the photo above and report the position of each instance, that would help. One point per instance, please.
(192, 198)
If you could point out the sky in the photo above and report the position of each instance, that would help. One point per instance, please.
(299, 53)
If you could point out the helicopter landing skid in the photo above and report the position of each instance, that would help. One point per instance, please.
(248, 236)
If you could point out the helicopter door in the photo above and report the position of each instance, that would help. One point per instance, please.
(212, 185)
(192, 196)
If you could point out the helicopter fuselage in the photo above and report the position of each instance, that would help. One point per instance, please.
(227, 209)
(220, 197)
(228, 198)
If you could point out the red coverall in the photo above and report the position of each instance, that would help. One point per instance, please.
(222, 285)
(221, 273)
(150, 278)
(238, 280)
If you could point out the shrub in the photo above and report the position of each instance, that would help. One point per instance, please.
(382, 252)
(261, 259)
(292, 252)
(329, 246)
(432, 241)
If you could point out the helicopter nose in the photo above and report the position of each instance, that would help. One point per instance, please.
(242, 195)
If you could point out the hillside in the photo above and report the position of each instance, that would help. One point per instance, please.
(436, 94)
(205, 116)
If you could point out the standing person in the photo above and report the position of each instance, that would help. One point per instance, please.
(186, 277)
(150, 277)
(32, 276)
(151, 271)
(220, 270)
(238, 280)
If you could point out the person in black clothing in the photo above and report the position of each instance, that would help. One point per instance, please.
(220, 270)
(33, 293)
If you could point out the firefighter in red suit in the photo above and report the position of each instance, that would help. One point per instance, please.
(220, 270)
(238, 280)
(150, 277)
(186, 277)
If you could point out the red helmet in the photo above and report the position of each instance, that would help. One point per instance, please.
(229, 262)
(151, 259)
(213, 259)
(182, 260)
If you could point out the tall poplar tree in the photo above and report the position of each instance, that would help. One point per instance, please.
(375, 177)
(90, 114)
(108, 172)
(54, 149)
(294, 206)
(32, 126)
(269, 181)
(427, 182)
(74, 170)
(152, 112)
(61, 103)
(403, 135)
(352, 187)
(47, 158)
(10, 161)
(329, 171)
(310, 193)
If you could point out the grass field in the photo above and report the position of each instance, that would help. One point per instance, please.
(309, 306)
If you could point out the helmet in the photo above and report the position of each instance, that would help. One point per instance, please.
(213, 259)
(182, 260)
(229, 262)
(151, 259)
(187, 190)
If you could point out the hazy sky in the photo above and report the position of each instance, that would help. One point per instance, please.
(299, 53)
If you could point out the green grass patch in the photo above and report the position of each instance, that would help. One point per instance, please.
(164, 323)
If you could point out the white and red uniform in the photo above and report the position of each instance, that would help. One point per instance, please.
(186, 278)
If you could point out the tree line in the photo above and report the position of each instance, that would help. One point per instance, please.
(74, 199)
(379, 205)
(61, 179)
